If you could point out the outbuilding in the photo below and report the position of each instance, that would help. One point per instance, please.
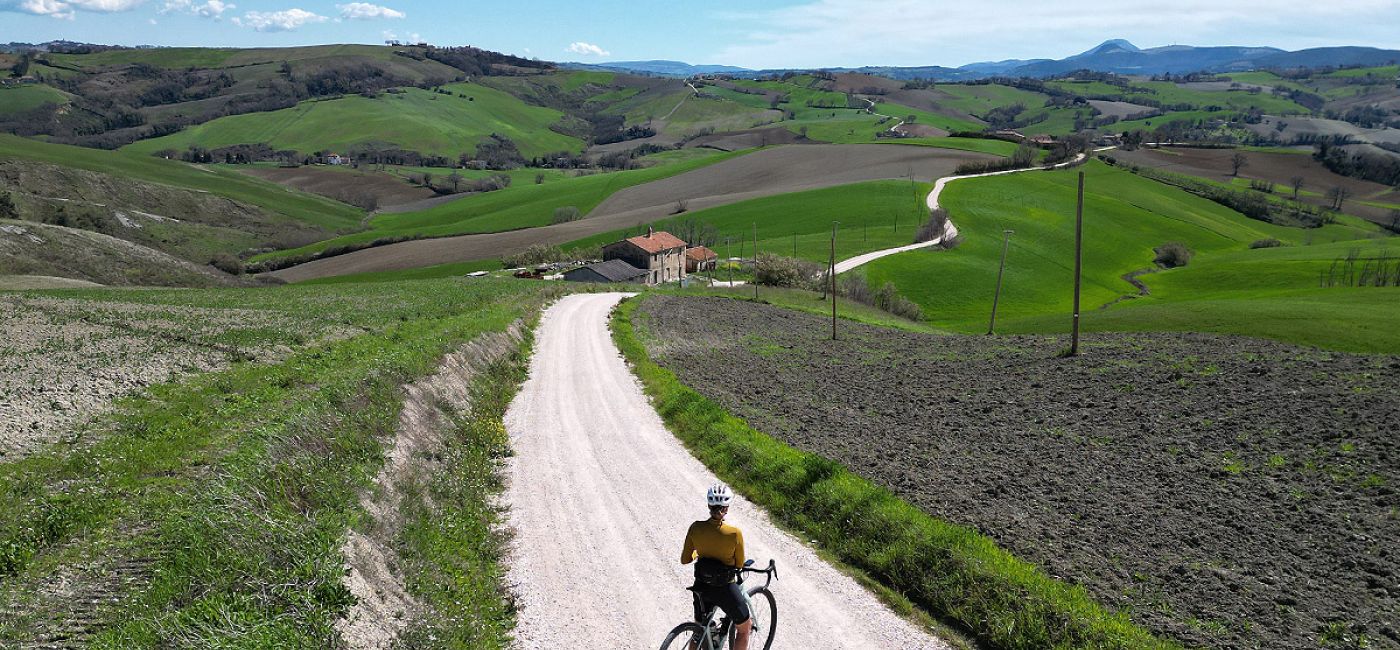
(700, 258)
(606, 271)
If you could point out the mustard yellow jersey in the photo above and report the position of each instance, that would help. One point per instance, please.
(718, 541)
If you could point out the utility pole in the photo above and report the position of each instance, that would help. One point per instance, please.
(832, 272)
(1078, 255)
(754, 266)
(996, 297)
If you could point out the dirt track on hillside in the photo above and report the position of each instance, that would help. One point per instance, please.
(1229, 492)
(764, 173)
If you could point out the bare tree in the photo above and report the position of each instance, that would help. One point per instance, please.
(1338, 196)
(1297, 183)
(455, 180)
(1237, 161)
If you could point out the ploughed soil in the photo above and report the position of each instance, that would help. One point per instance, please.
(778, 170)
(354, 187)
(1214, 164)
(1224, 491)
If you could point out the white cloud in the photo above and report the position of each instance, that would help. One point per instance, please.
(367, 11)
(278, 21)
(586, 49)
(210, 9)
(68, 8)
(924, 32)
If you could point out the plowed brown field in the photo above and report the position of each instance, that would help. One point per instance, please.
(1225, 491)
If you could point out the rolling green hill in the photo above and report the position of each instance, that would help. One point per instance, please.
(1125, 218)
(414, 119)
(221, 181)
(18, 99)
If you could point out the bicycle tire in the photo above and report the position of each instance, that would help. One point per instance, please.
(683, 635)
(764, 613)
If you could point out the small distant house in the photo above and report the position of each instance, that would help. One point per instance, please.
(1043, 140)
(700, 258)
(336, 159)
(607, 271)
(659, 253)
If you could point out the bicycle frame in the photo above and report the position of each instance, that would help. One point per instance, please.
(715, 635)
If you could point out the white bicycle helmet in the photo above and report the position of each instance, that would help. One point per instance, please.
(718, 495)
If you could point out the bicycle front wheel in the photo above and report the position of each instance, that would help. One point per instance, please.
(764, 610)
(686, 636)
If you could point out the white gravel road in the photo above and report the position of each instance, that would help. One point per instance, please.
(601, 494)
(949, 230)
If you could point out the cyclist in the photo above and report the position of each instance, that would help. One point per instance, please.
(717, 549)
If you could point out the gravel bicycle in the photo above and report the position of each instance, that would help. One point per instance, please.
(707, 633)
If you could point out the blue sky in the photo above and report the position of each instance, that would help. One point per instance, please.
(754, 33)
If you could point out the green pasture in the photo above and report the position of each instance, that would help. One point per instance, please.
(301, 206)
(27, 97)
(1150, 123)
(1089, 89)
(760, 102)
(900, 112)
(873, 215)
(1239, 100)
(978, 99)
(1125, 218)
(1382, 72)
(518, 206)
(416, 119)
(1265, 78)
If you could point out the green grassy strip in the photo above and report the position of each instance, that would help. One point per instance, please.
(239, 484)
(454, 550)
(953, 572)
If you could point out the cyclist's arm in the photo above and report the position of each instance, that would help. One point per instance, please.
(739, 549)
(688, 553)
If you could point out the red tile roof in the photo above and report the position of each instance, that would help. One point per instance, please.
(700, 253)
(656, 242)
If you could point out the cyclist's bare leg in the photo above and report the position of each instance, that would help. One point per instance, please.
(741, 635)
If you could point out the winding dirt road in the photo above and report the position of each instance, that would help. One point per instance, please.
(601, 494)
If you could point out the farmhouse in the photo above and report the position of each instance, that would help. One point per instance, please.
(660, 254)
(699, 258)
(607, 271)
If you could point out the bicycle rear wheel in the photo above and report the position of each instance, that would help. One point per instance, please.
(686, 636)
(764, 610)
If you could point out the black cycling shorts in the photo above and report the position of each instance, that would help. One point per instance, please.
(729, 598)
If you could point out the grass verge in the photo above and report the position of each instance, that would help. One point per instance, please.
(453, 543)
(234, 490)
(956, 574)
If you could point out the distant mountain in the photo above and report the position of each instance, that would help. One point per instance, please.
(659, 68)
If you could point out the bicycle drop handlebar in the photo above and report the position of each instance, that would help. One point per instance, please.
(771, 571)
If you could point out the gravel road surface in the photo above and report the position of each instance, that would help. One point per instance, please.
(601, 494)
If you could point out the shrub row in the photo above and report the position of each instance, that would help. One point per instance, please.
(950, 571)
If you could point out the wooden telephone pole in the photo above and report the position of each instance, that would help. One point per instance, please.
(1078, 258)
(996, 297)
(831, 271)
